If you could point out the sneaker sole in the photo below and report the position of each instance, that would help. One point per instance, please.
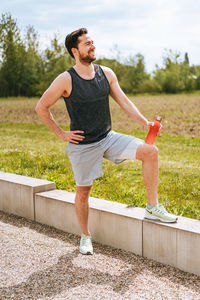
(159, 219)
(87, 253)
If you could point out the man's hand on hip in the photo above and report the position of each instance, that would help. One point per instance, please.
(72, 136)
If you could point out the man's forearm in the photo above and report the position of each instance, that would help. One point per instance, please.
(132, 111)
(49, 120)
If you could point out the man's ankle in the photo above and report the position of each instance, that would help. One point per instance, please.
(151, 205)
(87, 233)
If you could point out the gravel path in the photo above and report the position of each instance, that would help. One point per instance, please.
(41, 262)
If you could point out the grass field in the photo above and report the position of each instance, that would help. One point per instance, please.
(29, 148)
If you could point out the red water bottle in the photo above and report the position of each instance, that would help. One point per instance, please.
(153, 131)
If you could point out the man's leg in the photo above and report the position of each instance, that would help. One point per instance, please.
(148, 154)
(82, 207)
(82, 212)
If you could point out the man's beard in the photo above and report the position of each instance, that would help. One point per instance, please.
(86, 59)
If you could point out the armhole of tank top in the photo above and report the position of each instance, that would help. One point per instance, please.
(72, 86)
(105, 76)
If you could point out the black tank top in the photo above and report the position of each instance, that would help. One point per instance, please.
(88, 105)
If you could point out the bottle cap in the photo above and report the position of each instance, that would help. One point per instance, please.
(158, 118)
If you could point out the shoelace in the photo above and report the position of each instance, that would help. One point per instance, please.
(167, 211)
(160, 208)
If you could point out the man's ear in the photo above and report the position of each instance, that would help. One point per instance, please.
(74, 51)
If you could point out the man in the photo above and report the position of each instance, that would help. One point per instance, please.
(86, 88)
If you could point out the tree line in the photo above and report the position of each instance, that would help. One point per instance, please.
(27, 71)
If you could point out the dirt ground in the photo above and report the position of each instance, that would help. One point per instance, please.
(180, 113)
(41, 262)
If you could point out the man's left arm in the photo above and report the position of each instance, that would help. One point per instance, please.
(118, 95)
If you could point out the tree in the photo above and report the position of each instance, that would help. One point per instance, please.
(27, 71)
(12, 56)
(33, 67)
(134, 74)
(170, 57)
(196, 76)
(56, 60)
(176, 75)
(186, 59)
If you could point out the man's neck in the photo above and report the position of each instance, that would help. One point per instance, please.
(85, 70)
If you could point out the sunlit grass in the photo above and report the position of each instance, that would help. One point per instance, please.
(33, 150)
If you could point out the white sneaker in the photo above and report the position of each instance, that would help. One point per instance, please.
(158, 212)
(86, 244)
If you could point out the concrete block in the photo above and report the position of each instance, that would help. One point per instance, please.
(17, 193)
(116, 225)
(188, 246)
(116, 230)
(176, 244)
(110, 223)
(159, 242)
(56, 208)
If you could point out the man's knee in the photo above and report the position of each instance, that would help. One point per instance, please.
(82, 192)
(153, 153)
(147, 152)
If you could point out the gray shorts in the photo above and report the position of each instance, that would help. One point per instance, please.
(86, 159)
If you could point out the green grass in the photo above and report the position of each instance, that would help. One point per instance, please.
(33, 150)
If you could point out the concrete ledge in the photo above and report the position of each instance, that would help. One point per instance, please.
(175, 244)
(17, 193)
(115, 224)
(110, 223)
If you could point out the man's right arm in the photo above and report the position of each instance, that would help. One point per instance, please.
(58, 87)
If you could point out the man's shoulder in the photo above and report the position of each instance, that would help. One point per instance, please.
(108, 72)
(65, 75)
(105, 69)
(63, 80)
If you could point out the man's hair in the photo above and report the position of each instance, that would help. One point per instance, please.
(71, 40)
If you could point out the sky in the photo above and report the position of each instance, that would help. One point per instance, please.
(118, 27)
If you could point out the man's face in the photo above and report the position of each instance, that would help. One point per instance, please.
(86, 49)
